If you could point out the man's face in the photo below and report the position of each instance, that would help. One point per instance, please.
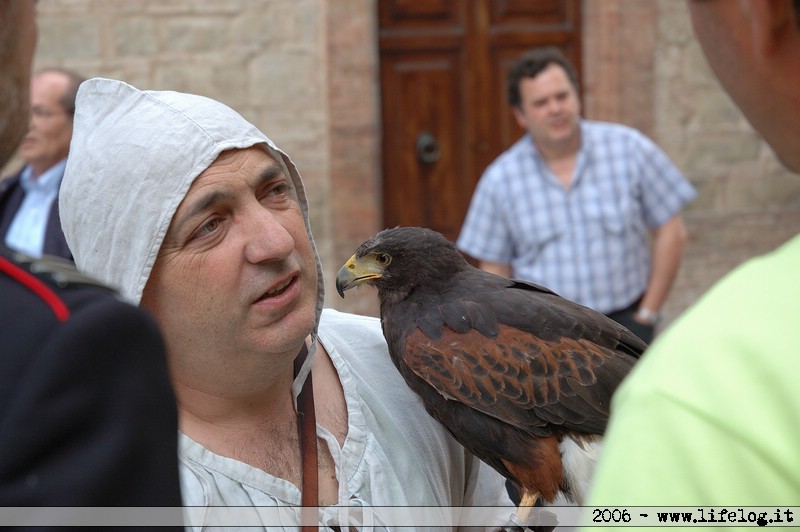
(50, 130)
(17, 43)
(236, 273)
(550, 107)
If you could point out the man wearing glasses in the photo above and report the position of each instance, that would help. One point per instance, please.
(29, 220)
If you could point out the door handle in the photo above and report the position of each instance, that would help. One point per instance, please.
(427, 148)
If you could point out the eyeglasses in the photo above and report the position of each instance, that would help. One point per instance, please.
(38, 111)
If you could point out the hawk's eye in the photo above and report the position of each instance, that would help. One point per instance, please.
(384, 259)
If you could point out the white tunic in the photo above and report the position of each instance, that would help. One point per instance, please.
(394, 454)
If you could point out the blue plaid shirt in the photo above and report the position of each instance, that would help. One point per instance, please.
(588, 243)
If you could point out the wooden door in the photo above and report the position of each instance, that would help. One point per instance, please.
(443, 66)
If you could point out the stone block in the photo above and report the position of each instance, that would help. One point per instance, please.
(135, 35)
(67, 38)
(195, 34)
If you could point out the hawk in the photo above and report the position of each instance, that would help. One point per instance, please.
(520, 376)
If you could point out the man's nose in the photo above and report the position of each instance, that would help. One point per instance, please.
(553, 106)
(267, 237)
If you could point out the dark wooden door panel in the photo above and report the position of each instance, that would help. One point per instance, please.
(417, 14)
(420, 129)
(532, 15)
(443, 71)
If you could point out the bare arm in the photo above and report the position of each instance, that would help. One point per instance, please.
(497, 268)
(668, 243)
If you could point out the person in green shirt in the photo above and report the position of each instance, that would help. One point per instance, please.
(710, 415)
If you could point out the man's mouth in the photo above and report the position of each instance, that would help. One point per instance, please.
(278, 289)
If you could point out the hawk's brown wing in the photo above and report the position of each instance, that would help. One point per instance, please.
(522, 355)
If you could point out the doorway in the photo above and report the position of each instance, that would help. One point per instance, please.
(443, 66)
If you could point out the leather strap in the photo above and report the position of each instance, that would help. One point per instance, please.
(307, 426)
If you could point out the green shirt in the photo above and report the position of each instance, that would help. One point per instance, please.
(711, 413)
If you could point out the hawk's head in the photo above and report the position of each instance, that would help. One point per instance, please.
(400, 259)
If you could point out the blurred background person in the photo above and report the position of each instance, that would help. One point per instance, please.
(573, 204)
(29, 220)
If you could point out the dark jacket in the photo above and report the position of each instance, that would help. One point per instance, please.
(87, 412)
(11, 196)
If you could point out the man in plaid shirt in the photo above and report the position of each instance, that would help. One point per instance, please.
(574, 204)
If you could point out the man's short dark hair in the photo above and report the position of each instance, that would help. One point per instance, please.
(531, 64)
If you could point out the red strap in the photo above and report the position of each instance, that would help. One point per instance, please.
(30, 281)
(307, 422)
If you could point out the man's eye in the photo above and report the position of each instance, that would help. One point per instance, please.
(280, 189)
(208, 228)
(277, 193)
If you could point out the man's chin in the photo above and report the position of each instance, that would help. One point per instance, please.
(287, 332)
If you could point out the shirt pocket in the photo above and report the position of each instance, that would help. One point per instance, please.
(607, 210)
(541, 229)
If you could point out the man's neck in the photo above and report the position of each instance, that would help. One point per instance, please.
(261, 429)
(264, 435)
(37, 171)
(235, 400)
(561, 157)
(560, 150)
(38, 168)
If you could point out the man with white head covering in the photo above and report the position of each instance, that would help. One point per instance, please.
(197, 216)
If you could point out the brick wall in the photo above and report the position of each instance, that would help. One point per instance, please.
(305, 72)
(355, 142)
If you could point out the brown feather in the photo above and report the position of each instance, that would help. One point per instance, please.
(516, 377)
(547, 476)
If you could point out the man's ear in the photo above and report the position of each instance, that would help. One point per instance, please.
(520, 116)
(771, 22)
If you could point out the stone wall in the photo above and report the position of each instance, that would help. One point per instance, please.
(305, 72)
